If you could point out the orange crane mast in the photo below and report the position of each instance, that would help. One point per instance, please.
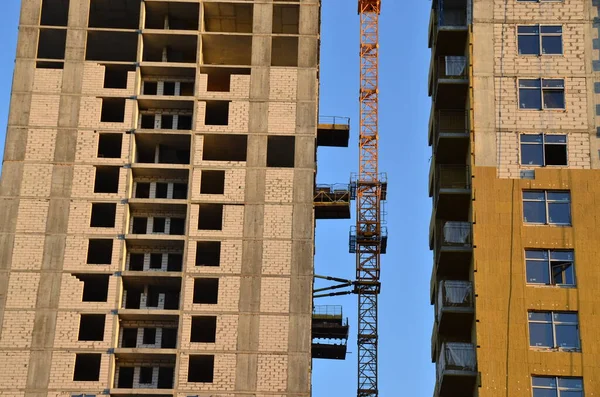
(370, 238)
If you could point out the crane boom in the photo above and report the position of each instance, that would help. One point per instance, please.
(369, 193)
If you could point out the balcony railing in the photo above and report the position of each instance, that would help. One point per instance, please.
(454, 296)
(448, 123)
(333, 131)
(453, 234)
(454, 177)
(452, 67)
(456, 357)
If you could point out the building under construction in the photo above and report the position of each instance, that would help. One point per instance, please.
(515, 183)
(158, 200)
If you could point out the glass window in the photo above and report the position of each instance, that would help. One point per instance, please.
(541, 94)
(543, 150)
(550, 267)
(540, 40)
(547, 386)
(547, 207)
(554, 330)
(529, 40)
(551, 37)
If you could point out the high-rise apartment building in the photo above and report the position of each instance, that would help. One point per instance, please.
(515, 184)
(157, 200)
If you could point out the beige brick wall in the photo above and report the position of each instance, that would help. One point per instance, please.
(273, 333)
(67, 331)
(47, 81)
(83, 183)
(87, 148)
(237, 121)
(231, 222)
(278, 221)
(17, 328)
(280, 186)
(27, 252)
(275, 295)
(231, 258)
(227, 300)
(235, 182)
(239, 88)
(63, 366)
(76, 255)
(9, 379)
(72, 292)
(277, 257)
(282, 118)
(226, 337)
(80, 215)
(19, 297)
(93, 82)
(91, 109)
(272, 373)
(283, 84)
(44, 110)
(32, 216)
(40, 144)
(224, 374)
(566, 10)
(37, 179)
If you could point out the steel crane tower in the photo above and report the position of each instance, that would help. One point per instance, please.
(371, 188)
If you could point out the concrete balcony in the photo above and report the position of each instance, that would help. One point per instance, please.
(329, 333)
(333, 131)
(332, 201)
(449, 135)
(449, 81)
(453, 245)
(448, 26)
(456, 370)
(450, 187)
(454, 309)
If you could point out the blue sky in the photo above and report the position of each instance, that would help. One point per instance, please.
(405, 314)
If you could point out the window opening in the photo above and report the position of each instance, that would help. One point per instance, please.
(540, 40)
(149, 336)
(156, 261)
(165, 377)
(142, 190)
(284, 51)
(87, 367)
(91, 327)
(212, 182)
(206, 290)
(55, 13)
(129, 338)
(150, 88)
(174, 262)
(100, 252)
(109, 145)
(180, 191)
(103, 215)
(208, 253)
(547, 207)
(122, 14)
(162, 190)
(217, 113)
(554, 330)
(204, 329)
(541, 94)
(550, 267)
(280, 151)
(107, 179)
(169, 338)
(139, 225)
(52, 44)
(125, 378)
(158, 225)
(556, 386)
(224, 147)
(201, 368)
(543, 150)
(177, 227)
(210, 217)
(146, 375)
(95, 287)
(113, 110)
(115, 76)
(111, 46)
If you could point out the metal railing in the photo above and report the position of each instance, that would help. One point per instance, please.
(451, 16)
(334, 120)
(324, 312)
(453, 234)
(337, 193)
(454, 294)
(452, 67)
(449, 121)
(456, 357)
(449, 176)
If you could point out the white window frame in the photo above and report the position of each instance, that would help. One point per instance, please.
(558, 389)
(546, 201)
(553, 324)
(541, 90)
(549, 262)
(543, 144)
(540, 35)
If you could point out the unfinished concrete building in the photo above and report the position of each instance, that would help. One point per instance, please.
(515, 182)
(157, 204)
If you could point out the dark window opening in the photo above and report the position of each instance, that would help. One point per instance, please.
(217, 113)
(173, 155)
(146, 375)
(169, 88)
(156, 261)
(174, 262)
(55, 13)
(212, 182)
(123, 14)
(129, 338)
(284, 51)
(107, 179)
(149, 336)
(208, 253)
(152, 298)
(125, 378)
(111, 46)
(133, 298)
(162, 190)
(95, 287)
(201, 368)
(150, 88)
(100, 252)
(210, 217)
(103, 214)
(162, 48)
(49, 65)
(52, 44)
(148, 121)
(142, 190)
(177, 16)
(87, 367)
(184, 122)
(136, 262)
(180, 191)
(91, 327)
(113, 110)
(177, 227)
(115, 76)
(186, 89)
(206, 290)
(158, 225)
(140, 226)
(224, 147)
(171, 300)
(204, 329)
(219, 79)
(169, 338)
(165, 377)
(166, 121)
(281, 151)
(109, 145)
(286, 18)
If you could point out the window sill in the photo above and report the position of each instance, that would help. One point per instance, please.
(525, 223)
(556, 286)
(554, 350)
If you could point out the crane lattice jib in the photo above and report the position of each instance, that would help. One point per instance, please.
(368, 198)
